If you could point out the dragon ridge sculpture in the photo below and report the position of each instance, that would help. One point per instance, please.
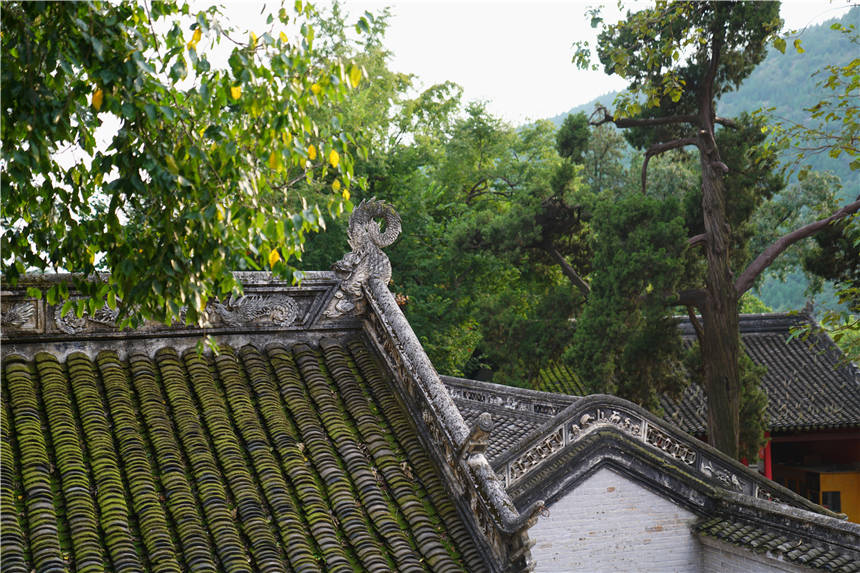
(366, 260)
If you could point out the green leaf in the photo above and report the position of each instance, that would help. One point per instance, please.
(779, 44)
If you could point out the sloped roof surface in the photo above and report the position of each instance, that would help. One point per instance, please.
(784, 545)
(273, 459)
(808, 384)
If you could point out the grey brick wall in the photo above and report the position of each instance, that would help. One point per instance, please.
(610, 523)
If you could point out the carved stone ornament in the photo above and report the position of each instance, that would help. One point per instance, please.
(71, 324)
(18, 315)
(366, 260)
(237, 311)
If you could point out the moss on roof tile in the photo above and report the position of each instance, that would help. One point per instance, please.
(275, 459)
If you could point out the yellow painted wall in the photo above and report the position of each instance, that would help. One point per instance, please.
(848, 483)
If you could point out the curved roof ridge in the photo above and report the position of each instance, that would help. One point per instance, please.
(648, 433)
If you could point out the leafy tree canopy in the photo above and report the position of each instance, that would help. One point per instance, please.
(207, 169)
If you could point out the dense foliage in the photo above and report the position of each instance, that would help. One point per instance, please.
(204, 168)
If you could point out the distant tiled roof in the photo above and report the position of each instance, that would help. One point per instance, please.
(258, 459)
(515, 411)
(784, 545)
(808, 383)
(561, 379)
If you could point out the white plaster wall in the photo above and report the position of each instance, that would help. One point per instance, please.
(610, 523)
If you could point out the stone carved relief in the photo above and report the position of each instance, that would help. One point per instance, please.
(672, 447)
(537, 454)
(18, 315)
(71, 323)
(728, 479)
(762, 493)
(630, 425)
(278, 309)
(366, 259)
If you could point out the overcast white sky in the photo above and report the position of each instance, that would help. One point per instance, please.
(516, 55)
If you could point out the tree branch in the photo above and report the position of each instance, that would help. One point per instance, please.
(568, 270)
(694, 297)
(764, 260)
(659, 148)
(638, 122)
(726, 121)
(699, 239)
(697, 326)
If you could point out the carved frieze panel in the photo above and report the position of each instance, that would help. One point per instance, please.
(536, 455)
(661, 440)
(727, 478)
(269, 308)
(21, 315)
(277, 309)
(70, 323)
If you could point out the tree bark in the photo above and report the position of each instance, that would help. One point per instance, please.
(720, 342)
(721, 336)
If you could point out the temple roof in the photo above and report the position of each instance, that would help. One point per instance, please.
(314, 435)
(290, 456)
(808, 382)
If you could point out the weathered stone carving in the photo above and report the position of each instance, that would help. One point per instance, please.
(70, 323)
(366, 259)
(537, 454)
(237, 311)
(18, 315)
(672, 447)
(728, 479)
(479, 436)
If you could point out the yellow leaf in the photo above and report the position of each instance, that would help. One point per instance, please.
(316, 89)
(335, 185)
(253, 42)
(284, 38)
(346, 194)
(312, 152)
(219, 212)
(274, 161)
(302, 162)
(236, 92)
(334, 158)
(354, 75)
(192, 43)
(98, 98)
(274, 257)
(286, 137)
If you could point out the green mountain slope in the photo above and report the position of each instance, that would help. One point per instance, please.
(786, 82)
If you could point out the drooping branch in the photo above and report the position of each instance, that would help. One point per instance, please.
(764, 260)
(569, 271)
(659, 148)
